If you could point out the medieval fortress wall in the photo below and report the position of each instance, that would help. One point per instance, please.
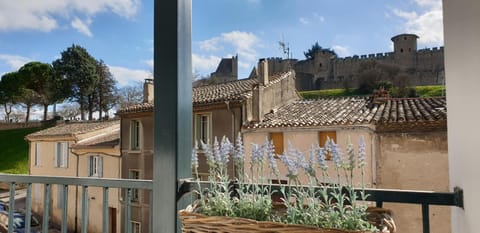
(327, 71)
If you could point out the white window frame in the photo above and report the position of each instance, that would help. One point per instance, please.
(38, 155)
(61, 154)
(200, 120)
(135, 193)
(135, 143)
(95, 166)
(134, 228)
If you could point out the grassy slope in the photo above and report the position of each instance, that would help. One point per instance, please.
(14, 150)
(422, 91)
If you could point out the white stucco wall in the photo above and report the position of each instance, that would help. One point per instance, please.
(462, 59)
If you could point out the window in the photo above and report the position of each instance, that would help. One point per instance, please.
(37, 154)
(322, 138)
(203, 127)
(134, 174)
(135, 227)
(95, 166)
(277, 139)
(134, 135)
(61, 154)
(60, 196)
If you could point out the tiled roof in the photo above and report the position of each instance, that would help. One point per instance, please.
(355, 111)
(109, 139)
(238, 90)
(230, 91)
(136, 108)
(73, 128)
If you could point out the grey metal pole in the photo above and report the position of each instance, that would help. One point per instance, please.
(172, 110)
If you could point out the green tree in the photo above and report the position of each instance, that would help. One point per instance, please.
(41, 78)
(310, 53)
(9, 92)
(372, 75)
(79, 69)
(105, 92)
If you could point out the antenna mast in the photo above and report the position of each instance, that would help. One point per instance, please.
(285, 47)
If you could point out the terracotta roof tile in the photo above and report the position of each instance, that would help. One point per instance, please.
(73, 128)
(231, 91)
(238, 90)
(354, 111)
(109, 139)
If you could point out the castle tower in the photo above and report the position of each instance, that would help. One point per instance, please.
(405, 50)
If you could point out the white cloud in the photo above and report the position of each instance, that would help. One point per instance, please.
(82, 26)
(342, 51)
(245, 44)
(204, 64)
(318, 17)
(426, 22)
(149, 63)
(210, 44)
(45, 15)
(125, 76)
(14, 61)
(303, 20)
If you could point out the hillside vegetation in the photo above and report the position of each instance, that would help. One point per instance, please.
(14, 152)
(422, 91)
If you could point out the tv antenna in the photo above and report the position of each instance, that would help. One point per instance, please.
(285, 47)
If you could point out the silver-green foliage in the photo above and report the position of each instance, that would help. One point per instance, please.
(333, 205)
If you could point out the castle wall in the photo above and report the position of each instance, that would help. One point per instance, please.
(326, 71)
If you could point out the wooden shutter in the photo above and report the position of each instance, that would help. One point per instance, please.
(38, 154)
(100, 167)
(64, 154)
(55, 152)
(322, 138)
(277, 139)
(89, 166)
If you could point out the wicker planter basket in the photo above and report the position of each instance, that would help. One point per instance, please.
(198, 223)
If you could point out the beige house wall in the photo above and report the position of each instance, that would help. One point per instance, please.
(138, 160)
(414, 161)
(111, 169)
(303, 139)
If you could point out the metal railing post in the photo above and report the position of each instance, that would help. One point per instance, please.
(172, 118)
(425, 218)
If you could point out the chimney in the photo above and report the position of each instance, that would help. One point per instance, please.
(148, 91)
(263, 71)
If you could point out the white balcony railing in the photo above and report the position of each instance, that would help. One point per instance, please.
(65, 182)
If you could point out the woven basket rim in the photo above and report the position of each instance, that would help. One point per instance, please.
(184, 214)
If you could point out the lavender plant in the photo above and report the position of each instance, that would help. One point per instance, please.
(320, 203)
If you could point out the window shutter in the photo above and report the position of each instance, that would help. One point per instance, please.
(322, 136)
(100, 167)
(277, 139)
(65, 154)
(198, 129)
(55, 152)
(89, 166)
(132, 130)
(37, 154)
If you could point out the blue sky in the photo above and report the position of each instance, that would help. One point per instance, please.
(120, 32)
